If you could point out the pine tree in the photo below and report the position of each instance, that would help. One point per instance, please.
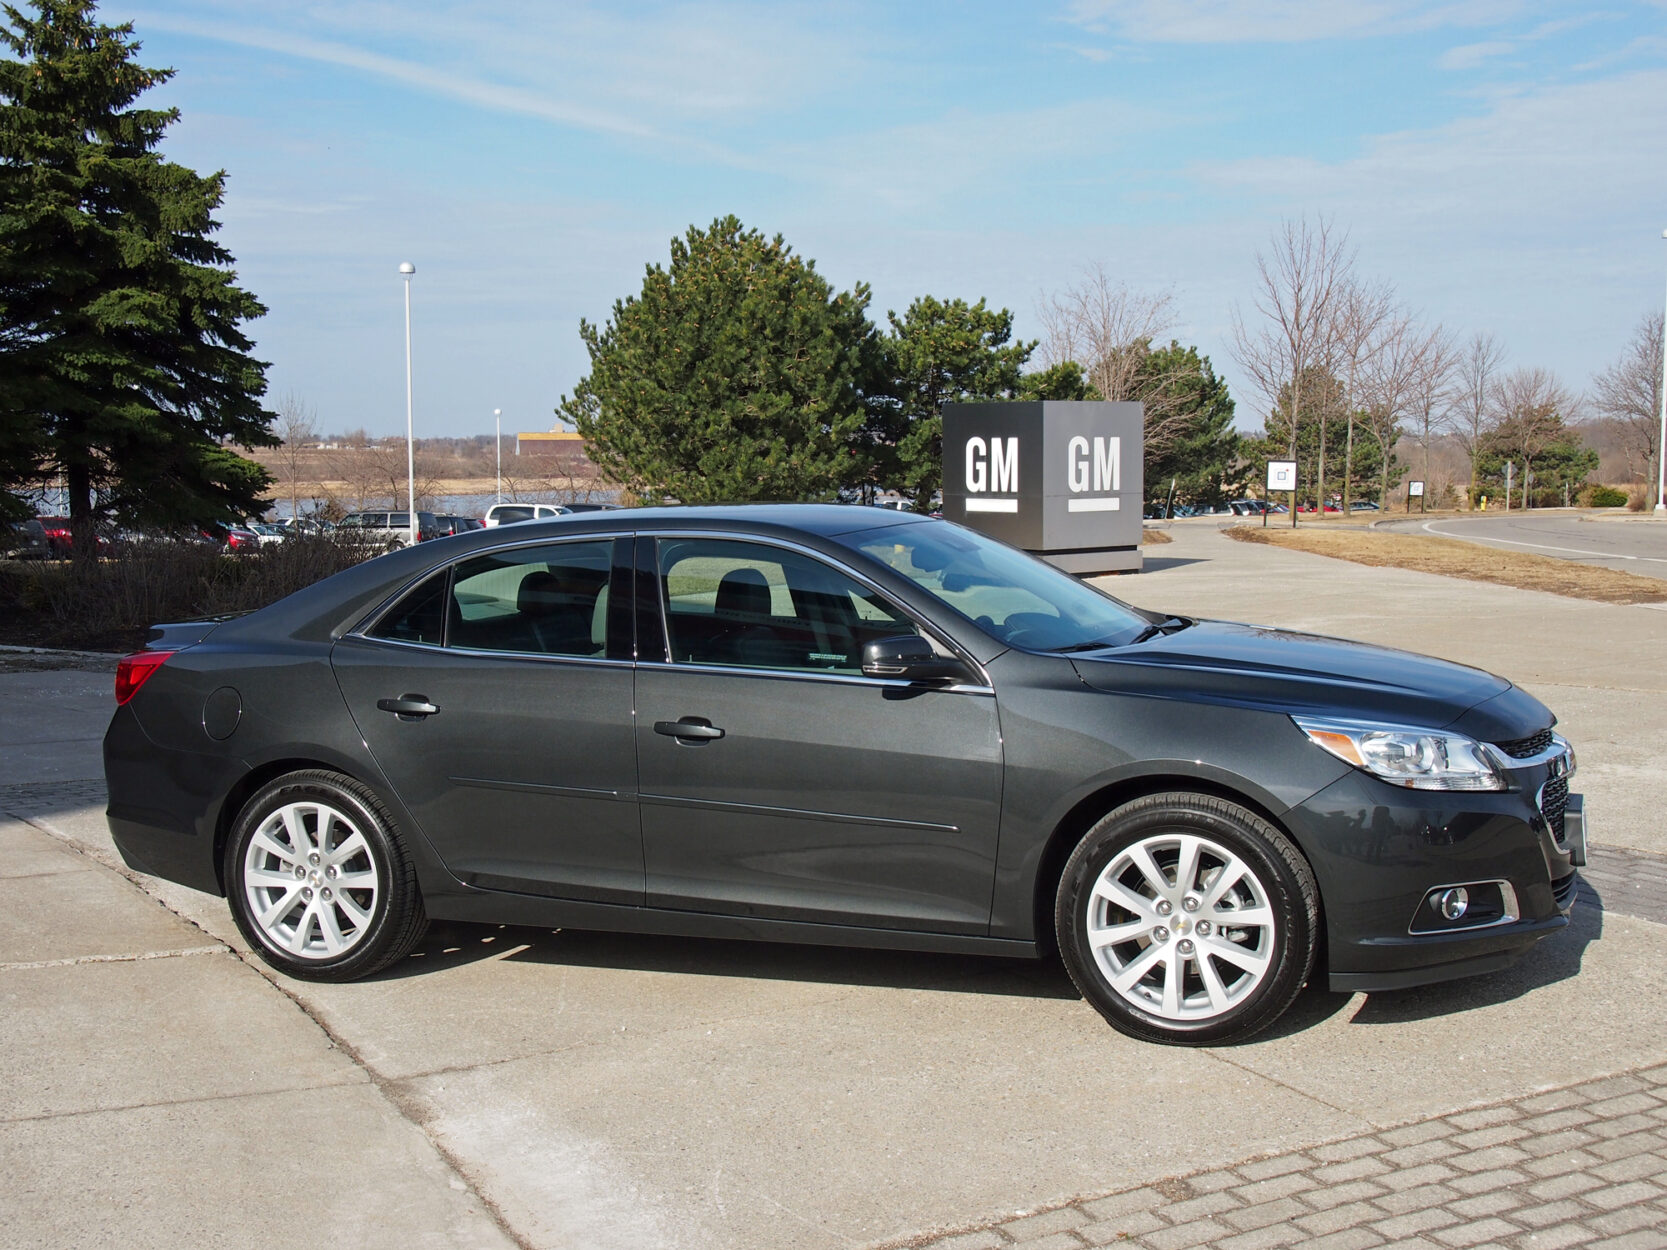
(122, 368)
(734, 376)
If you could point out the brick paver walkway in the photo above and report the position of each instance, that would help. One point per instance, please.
(1584, 1166)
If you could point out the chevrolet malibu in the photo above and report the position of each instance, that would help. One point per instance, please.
(846, 726)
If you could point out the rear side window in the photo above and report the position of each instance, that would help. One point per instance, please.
(508, 516)
(420, 616)
(548, 600)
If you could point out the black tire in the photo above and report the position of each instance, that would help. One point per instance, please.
(1210, 959)
(319, 880)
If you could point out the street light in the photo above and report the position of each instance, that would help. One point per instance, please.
(406, 269)
(498, 422)
(1661, 442)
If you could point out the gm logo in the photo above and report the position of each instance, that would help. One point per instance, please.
(992, 467)
(1106, 462)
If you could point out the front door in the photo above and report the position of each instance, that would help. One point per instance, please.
(777, 781)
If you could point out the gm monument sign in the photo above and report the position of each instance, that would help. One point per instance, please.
(1059, 478)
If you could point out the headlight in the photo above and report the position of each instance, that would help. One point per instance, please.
(1420, 759)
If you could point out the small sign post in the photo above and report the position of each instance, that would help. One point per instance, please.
(1282, 475)
(1415, 490)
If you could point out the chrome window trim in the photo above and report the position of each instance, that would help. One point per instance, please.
(491, 655)
(811, 553)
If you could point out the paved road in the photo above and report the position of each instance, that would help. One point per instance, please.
(1632, 546)
(517, 1087)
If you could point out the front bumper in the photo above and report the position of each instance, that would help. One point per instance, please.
(1378, 852)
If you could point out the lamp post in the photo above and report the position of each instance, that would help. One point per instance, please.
(498, 424)
(1661, 441)
(406, 269)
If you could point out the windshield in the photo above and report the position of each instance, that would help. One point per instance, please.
(1009, 595)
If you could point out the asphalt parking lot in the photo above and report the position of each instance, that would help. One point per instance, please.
(527, 1088)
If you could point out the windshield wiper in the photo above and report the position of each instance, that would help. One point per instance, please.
(1169, 625)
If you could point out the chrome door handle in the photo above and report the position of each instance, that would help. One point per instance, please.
(408, 706)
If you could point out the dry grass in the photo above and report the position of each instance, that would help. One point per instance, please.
(1154, 538)
(1450, 557)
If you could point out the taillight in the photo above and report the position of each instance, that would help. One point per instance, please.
(134, 671)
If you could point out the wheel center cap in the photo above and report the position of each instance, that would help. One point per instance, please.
(316, 877)
(1181, 924)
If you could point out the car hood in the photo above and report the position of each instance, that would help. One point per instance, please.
(1277, 670)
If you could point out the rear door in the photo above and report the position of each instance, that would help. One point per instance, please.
(497, 697)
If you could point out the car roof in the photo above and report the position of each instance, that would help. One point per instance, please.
(320, 611)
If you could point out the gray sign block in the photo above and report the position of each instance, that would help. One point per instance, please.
(1058, 478)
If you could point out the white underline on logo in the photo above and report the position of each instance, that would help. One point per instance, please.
(1113, 504)
(992, 505)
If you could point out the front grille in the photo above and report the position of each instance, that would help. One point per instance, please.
(1554, 797)
(1522, 748)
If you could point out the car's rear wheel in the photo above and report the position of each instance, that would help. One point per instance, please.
(1187, 919)
(319, 880)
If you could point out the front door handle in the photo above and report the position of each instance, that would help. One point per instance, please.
(689, 729)
(408, 706)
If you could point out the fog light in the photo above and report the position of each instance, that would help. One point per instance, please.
(1452, 904)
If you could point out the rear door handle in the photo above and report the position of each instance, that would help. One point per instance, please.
(689, 729)
(408, 706)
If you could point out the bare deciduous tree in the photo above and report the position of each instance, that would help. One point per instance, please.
(1365, 312)
(1109, 330)
(1628, 393)
(1106, 328)
(1390, 386)
(1431, 395)
(1470, 411)
(297, 426)
(1301, 282)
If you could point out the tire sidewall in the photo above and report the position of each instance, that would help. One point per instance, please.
(366, 952)
(1278, 868)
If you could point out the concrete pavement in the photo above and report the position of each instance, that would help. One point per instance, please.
(569, 1089)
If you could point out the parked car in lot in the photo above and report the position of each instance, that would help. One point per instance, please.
(389, 529)
(60, 537)
(841, 726)
(448, 524)
(1363, 505)
(514, 513)
(27, 541)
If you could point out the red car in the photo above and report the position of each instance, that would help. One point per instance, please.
(60, 540)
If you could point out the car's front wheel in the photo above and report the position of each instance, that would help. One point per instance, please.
(1187, 919)
(319, 881)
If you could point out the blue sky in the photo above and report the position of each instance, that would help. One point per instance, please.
(1503, 163)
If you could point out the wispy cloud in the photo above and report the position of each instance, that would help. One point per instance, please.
(1278, 21)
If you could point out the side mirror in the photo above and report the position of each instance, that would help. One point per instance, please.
(909, 657)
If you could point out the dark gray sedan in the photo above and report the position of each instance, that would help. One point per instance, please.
(845, 726)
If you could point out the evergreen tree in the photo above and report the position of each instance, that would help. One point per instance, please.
(124, 371)
(1321, 391)
(1199, 448)
(941, 352)
(735, 375)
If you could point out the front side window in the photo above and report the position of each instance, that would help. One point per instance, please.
(749, 605)
(1013, 597)
(549, 600)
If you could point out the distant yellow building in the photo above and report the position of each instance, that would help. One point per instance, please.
(562, 445)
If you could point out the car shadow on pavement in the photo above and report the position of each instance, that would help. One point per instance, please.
(1157, 564)
(450, 944)
(1555, 958)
